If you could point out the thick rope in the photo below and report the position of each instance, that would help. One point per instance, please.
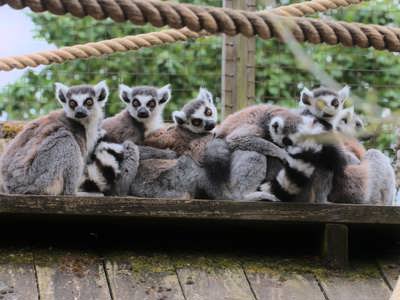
(222, 20)
(312, 7)
(128, 43)
(106, 47)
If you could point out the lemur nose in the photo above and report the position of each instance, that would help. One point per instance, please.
(80, 115)
(275, 126)
(209, 126)
(143, 113)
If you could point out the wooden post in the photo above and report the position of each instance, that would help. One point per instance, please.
(335, 245)
(238, 65)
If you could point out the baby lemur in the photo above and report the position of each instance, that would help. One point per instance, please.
(141, 117)
(49, 154)
(192, 129)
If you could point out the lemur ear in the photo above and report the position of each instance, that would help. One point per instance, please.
(179, 117)
(204, 94)
(124, 92)
(164, 94)
(305, 96)
(102, 92)
(344, 93)
(61, 92)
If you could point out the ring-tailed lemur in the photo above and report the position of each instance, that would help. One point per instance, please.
(368, 176)
(249, 144)
(192, 129)
(48, 155)
(142, 116)
(323, 103)
(305, 154)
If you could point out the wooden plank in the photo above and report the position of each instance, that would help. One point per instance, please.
(268, 284)
(17, 275)
(335, 249)
(134, 276)
(390, 268)
(199, 209)
(213, 279)
(362, 282)
(74, 275)
(396, 291)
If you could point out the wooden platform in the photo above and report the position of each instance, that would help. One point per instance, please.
(97, 274)
(199, 209)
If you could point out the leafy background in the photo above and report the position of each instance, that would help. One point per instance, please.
(372, 75)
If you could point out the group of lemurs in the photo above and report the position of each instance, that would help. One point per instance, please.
(263, 152)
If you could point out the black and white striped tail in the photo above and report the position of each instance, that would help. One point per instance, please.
(299, 168)
(103, 168)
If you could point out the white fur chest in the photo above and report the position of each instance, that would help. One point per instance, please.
(153, 124)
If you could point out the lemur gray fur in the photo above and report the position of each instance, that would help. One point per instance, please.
(368, 176)
(141, 117)
(248, 142)
(49, 154)
(192, 129)
(306, 155)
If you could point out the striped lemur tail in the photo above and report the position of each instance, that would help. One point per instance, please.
(111, 169)
(309, 149)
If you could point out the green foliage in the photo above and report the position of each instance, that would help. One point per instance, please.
(187, 66)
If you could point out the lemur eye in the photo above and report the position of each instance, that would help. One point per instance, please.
(89, 102)
(72, 104)
(344, 121)
(358, 124)
(335, 102)
(151, 103)
(197, 122)
(135, 102)
(208, 112)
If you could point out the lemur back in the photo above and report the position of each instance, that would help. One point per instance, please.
(192, 129)
(48, 155)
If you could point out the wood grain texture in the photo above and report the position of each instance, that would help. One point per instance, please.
(198, 209)
(270, 285)
(362, 283)
(133, 276)
(238, 65)
(17, 276)
(336, 245)
(66, 275)
(213, 279)
(390, 267)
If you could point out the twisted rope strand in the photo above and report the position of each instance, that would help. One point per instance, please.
(151, 39)
(106, 47)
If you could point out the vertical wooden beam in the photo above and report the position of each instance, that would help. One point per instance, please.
(335, 247)
(238, 65)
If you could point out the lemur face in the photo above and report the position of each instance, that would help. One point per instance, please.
(282, 126)
(348, 122)
(82, 102)
(324, 103)
(199, 115)
(145, 102)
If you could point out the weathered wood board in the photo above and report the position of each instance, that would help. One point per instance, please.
(267, 284)
(64, 275)
(150, 277)
(204, 278)
(390, 267)
(361, 283)
(17, 275)
(199, 209)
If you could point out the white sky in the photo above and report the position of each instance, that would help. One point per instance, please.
(16, 38)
